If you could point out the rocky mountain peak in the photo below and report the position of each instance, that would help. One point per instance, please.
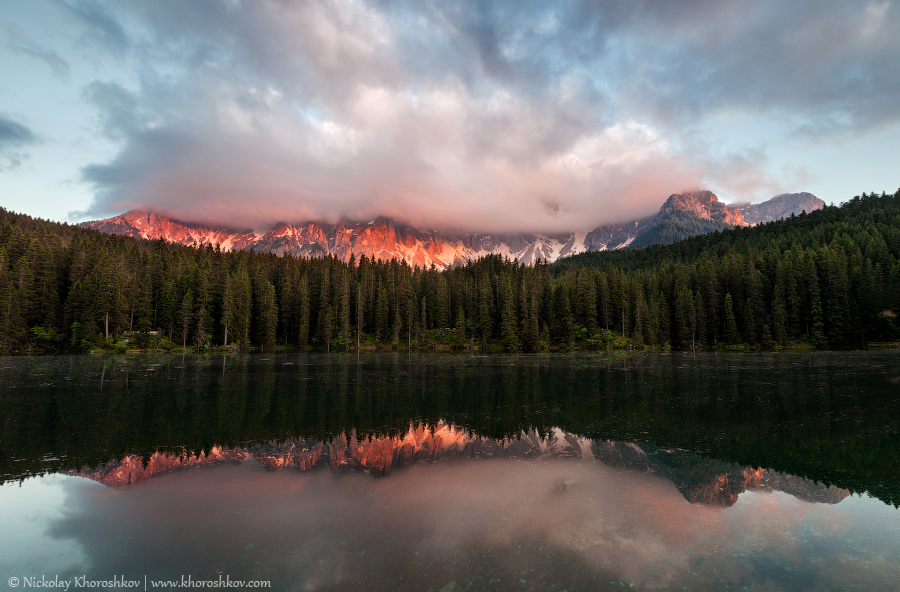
(704, 205)
(384, 239)
(780, 206)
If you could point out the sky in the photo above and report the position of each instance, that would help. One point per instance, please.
(510, 116)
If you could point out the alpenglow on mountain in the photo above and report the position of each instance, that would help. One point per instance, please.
(682, 215)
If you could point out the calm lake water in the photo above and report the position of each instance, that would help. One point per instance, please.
(428, 472)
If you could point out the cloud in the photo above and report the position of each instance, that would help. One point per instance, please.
(13, 137)
(745, 175)
(100, 28)
(515, 116)
(17, 40)
(118, 109)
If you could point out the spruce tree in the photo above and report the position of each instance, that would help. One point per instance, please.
(816, 330)
(700, 331)
(508, 323)
(486, 309)
(381, 315)
(779, 316)
(303, 323)
(267, 315)
(730, 329)
(187, 309)
(343, 307)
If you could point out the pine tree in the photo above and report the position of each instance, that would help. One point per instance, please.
(836, 300)
(343, 307)
(652, 331)
(287, 307)
(665, 335)
(750, 334)
(381, 314)
(604, 300)
(203, 329)
(685, 318)
(327, 326)
(395, 326)
(817, 324)
(638, 310)
(442, 296)
(731, 332)
(530, 327)
(187, 309)
(508, 318)
(586, 303)
(237, 307)
(108, 300)
(779, 316)
(322, 304)
(266, 314)
(486, 309)
(144, 308)
(166, 308)
(424, 315)
(700, 331)
(359, 314)
(460, 326)
(12, 326)
(303, 324)
(44, 289)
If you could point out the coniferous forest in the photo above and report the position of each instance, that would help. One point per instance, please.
(826, 280)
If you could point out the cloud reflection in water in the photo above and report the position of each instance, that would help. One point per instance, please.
(497, 524)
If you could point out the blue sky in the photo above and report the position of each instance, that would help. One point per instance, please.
(501, 116)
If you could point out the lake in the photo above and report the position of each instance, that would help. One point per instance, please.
(305, 471)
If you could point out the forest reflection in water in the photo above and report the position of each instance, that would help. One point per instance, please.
(829, 417)
(448, 472)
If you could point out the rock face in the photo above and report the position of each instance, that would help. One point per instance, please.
(699, 480)
(780, 206)
(379, 239)
(384, 239)
(704, 205)
(149, 225)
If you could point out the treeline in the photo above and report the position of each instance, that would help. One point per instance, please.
(830, 279)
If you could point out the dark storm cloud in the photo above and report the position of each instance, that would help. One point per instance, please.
(13, 137)
(470, 115)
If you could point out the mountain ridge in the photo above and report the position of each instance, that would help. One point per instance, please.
(682, 215)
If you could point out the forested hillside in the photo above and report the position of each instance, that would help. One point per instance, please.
(675, 228)
(829, 279)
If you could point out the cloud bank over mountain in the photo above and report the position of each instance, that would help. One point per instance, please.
(508, 116)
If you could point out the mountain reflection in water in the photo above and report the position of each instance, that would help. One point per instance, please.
(390, 472)
(699, 480)
(827, 417)
(492, 524)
